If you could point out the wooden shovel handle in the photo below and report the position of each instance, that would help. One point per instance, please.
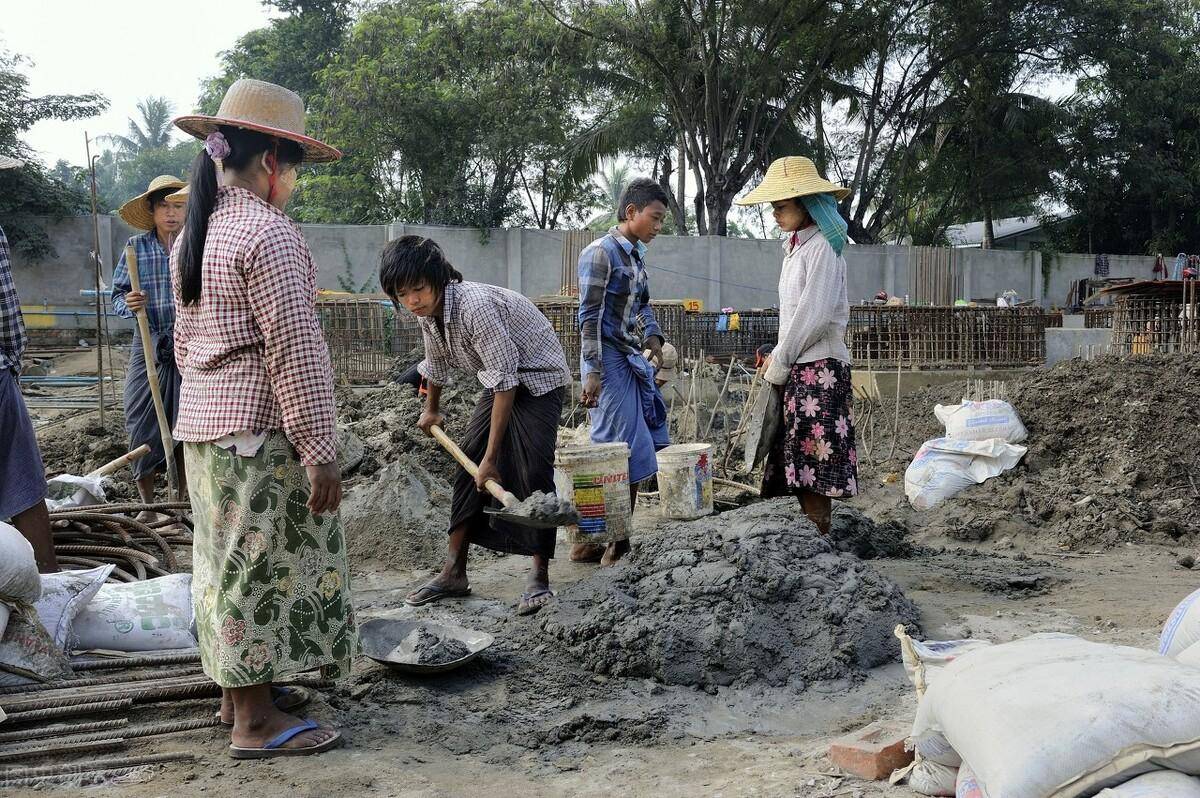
(121, 461)
(493, 487)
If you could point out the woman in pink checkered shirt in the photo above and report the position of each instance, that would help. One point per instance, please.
(270, 578)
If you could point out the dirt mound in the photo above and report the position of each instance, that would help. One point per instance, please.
(753, 595)
(397, 518)
(865, 538)
(80, 445)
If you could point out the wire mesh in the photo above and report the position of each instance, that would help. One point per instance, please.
(1158, 322)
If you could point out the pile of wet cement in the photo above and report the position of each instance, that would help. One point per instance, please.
(754, 595)
(430, 648)
(1112, 443)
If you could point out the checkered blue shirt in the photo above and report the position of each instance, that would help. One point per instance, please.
(614, 302)
(12, 326)
(154, 271)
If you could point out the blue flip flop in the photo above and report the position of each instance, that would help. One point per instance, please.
(272, 748)
(527, 607)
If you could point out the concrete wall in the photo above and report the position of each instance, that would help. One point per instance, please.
(722, 272)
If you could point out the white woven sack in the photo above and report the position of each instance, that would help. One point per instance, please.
(981, 421)
(1055, 716)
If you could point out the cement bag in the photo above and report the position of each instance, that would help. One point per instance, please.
(64, 595)
(967, 785)
(1190, 656)
(930, 778)
(19, 580)
(138, 616)
(28, 653)
(1159, 784)
(1182, 628)
(944, 467)
(1055, 716)
(981, 421)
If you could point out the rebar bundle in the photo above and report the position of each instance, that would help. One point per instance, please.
(104, 534)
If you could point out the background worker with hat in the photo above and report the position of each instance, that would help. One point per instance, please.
(270, 582)
(814, 456)
(22, 479)
(159, 212)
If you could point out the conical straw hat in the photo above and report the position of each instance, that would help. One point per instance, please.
(265, 107)
(789, 177)
(137, 212)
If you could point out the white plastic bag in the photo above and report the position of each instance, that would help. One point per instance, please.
(1159, 784)
(64, 595)
(68, 490)
(153, 615)
(1182, 628)
(981, 421)
(1055, 716)
(19, 578)
(1190, 656)
(943, 467)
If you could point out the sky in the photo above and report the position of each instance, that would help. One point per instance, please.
(126, 51)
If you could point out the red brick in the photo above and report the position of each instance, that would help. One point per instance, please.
(872, 752)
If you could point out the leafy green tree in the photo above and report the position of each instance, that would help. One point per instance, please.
(1134, 174)
(735, 77)
(32, 191)
(461, 114)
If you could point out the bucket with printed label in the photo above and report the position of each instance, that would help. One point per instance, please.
(597, 479)
(685, 486)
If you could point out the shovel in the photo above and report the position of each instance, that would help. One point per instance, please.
(539, 511)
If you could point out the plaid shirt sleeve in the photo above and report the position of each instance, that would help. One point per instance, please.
(278, 286)
(12, 326)
(493, 343)
(121, 285)
(434, 367)
(594, 273)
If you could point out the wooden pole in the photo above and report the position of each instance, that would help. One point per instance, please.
(87, 144)
(122, 461)
(164, 428)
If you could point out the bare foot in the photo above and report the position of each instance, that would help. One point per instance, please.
(614, 552)
(586, 552)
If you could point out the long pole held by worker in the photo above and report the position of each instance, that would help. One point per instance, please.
(164, 428)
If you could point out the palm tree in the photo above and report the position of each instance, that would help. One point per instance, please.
(154, 132)
(612, 181)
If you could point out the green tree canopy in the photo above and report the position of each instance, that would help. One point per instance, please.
(32, 191)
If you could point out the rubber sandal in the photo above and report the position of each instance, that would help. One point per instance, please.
(272, 749)
(286, 699)
(527, 607)
(436, 593)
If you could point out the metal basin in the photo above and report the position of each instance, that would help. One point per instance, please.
(385, 640)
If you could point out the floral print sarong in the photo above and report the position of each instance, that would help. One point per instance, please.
(270, 580)
(815, 450)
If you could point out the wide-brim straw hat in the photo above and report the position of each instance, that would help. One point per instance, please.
(793, 176)
(181, 195)
(137, 212)
(267, 108)
(10, 163)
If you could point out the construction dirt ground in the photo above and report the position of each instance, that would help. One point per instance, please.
(725, 654)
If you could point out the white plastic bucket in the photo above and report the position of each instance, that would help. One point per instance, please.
(685, 487)
(598, 479)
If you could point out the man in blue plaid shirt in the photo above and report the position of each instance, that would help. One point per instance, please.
(22, 478)
(161, 215)
(616, 324)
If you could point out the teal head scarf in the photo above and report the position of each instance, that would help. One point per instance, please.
(823, 210)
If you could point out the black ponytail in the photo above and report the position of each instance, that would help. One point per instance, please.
(245, 146)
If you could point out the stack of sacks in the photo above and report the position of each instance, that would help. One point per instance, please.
(1056, 716)
(980, 443)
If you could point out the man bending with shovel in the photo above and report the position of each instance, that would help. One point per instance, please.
(510, 346)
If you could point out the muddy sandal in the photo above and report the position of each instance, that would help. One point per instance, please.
(286, 699)
(533, 601)
(272, 749)
(434, 593)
